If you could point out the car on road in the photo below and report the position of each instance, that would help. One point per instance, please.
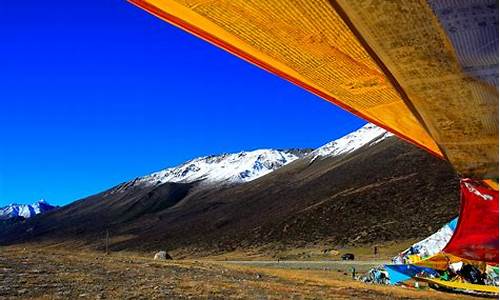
(347, 256)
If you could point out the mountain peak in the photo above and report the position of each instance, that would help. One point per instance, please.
(369, 134)
(238, 167)
(245, 166)
(25, 210)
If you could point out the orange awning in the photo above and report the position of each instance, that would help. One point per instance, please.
(391, 63)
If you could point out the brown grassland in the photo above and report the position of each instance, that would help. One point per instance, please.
(31, 272)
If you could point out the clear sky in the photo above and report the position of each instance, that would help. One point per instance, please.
(97, 92)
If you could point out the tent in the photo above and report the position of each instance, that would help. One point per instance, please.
(426, 70)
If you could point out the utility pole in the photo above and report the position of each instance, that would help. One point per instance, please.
(107, 242)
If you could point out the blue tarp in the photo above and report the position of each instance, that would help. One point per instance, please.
(399, 273)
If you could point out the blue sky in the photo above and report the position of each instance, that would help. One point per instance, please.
(94, 93)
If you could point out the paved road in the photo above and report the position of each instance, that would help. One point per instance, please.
(311, 265)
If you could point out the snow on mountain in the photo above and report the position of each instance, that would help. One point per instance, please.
(226, 168)
(25, 210)
(367, 135)
(247, 166)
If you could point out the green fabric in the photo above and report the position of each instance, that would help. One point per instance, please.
(445, 276)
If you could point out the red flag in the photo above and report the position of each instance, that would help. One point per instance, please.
(476, 235)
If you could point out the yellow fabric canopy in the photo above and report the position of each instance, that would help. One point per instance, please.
(390, 64)
(465, 286)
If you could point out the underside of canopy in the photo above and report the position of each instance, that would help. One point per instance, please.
(425, 70)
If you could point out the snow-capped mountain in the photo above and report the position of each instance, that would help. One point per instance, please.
(247, 166)
(367, 135)
(212, 219)
(25, 210)
(226, 168)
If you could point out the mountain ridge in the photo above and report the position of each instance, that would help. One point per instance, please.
(25, 211)
(228, 168)
(381, 190)
(245, 166)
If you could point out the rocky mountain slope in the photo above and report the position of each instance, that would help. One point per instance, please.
(365, 188)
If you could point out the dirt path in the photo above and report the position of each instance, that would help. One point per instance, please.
(50, 274)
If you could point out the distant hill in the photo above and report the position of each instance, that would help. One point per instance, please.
(367, 187)
(25, 211)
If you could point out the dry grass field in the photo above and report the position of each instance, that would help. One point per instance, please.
(47, 273)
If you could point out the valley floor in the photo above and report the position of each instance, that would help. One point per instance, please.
(61, 274)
